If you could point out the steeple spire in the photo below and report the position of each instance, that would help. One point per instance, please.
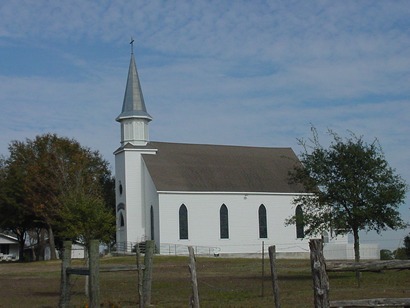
(134, 117)
(133, 104)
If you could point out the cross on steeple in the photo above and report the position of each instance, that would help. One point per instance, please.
(132, 45)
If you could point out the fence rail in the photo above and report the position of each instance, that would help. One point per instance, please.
(369, 266)
(182, 250)
(375, 302)
(93, 273)
(321, 280)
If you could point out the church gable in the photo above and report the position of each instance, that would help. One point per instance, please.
(199, 167)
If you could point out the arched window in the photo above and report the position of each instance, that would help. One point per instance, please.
(122, 223)
(300, 233)
(223, 221)
(263, 228)
(183, 222)
(120, 187)
(120, 207)
(152, 222)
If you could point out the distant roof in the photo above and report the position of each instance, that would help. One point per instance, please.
(133, 105)
(8, 238)
(200, 167)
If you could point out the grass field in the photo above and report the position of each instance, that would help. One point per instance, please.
(222, 283)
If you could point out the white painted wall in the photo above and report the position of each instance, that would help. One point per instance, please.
(346, 251)
(138, 195)
(150, 199)
(135, 212)
(77, 251)
(121, 234)
(128, 171)
(203, 221)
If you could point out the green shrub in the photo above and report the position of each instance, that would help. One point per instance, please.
(386, 254)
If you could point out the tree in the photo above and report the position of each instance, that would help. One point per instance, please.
(16, 217)
(87, 218)
(406, 242)
(48, 171)
(351, 187)
(400, 254)
(386, 254)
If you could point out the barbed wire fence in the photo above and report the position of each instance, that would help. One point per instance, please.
(116, 290)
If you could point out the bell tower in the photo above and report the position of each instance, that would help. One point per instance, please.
(132, 208)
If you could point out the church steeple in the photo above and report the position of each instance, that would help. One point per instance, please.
(134, 117)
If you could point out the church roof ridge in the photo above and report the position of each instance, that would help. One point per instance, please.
(201, 167)
(152, 143)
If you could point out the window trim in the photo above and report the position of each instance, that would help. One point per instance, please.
(121, 219)
(263, 222)
(223, 222)
(300, 232)
(183, 222)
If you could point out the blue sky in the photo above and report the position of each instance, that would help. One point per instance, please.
(220, 72)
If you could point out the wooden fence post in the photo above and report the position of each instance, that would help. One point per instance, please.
(140, 277)
(194, 301)
(147, 280)
(274, 275)
(319, 275)
(94, 269)
(65, 277)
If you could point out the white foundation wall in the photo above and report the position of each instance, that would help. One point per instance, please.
(203, 222)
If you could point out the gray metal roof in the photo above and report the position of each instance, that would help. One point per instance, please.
(133, 105)
(199, 167)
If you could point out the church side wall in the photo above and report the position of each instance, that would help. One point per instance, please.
(151, 201)
(204, 221)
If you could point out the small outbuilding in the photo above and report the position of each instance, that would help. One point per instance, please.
(9, 248)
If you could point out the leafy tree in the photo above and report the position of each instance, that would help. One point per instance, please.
(15, 217)
(400, 254)
(108, 184)
(86, 218)
(386, 254)
(50, 169)
(351, 187)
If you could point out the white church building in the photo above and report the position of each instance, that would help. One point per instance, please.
(219, 199)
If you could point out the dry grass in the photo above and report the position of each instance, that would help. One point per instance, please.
(222, 283)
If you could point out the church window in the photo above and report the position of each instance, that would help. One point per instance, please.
(152, 222)
(263, 228)
(300, 232)
(223, 220)
(120, 207)
(120, 188)
(122, 223)
(183, 222)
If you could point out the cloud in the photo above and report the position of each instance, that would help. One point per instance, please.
(228, 72)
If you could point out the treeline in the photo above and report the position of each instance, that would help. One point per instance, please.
(402, 253)
(52, 189)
